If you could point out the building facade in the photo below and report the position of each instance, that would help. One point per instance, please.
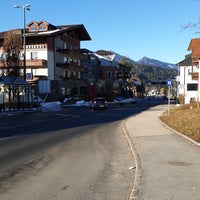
(53, 53)
(189, 73)
(188, 85)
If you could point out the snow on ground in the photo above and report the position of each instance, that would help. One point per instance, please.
(57, 106)
(50, 106)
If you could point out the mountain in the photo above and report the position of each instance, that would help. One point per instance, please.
(146, 69)
(111, 56)
(156, 63)
(118, 57)
(114, 57)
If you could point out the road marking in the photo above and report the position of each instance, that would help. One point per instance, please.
(70, 117)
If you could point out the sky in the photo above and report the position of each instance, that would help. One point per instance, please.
(157, 29)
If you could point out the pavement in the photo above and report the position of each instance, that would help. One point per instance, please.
(167, 164)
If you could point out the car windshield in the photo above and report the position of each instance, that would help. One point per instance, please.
(100, 99)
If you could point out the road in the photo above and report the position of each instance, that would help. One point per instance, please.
(75, 154)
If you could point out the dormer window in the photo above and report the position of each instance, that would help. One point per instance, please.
(38, 26)
(33, 27)
(42, 28)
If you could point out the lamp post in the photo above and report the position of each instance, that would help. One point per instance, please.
(25, 7)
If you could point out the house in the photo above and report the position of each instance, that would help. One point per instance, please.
(53, 53)
(100, 71)
(187, 84)
(189, 73)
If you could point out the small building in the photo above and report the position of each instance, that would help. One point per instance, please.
(15, 93)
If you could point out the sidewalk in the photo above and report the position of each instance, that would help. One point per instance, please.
(167, 165)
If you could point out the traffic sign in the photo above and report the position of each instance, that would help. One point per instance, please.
(169, 83)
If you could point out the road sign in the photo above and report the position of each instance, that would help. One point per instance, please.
(169, 83)
(44, 86)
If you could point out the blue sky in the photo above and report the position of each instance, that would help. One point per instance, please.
(158, 29)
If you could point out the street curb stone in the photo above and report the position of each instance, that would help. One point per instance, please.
(138, 174)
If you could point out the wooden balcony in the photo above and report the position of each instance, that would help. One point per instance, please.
(71, 53)
(195, 76)
(36, 63)
(195, 61)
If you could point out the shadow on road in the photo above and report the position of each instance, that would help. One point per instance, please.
(16, 123)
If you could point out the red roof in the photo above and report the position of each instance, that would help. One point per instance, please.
(194, 46)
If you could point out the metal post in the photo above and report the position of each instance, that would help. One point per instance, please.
(24, 42)
(169, 94)
(25, 7)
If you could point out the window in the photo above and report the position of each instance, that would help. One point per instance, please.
(33, 27)
(42, 27)
(34, 55)
(192, 87)
(109, 75)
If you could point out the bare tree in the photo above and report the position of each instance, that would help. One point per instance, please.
(12, 47)
(192, 26)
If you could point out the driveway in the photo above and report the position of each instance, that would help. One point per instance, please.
(168, 165)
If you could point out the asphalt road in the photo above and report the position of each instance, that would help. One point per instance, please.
(75, 154)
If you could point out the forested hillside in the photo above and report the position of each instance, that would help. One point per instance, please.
(152, 73)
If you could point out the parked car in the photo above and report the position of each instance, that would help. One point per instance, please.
(99, 103)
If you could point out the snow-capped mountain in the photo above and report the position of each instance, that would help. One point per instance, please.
(156, 63)
(112, 58)
(118, 57)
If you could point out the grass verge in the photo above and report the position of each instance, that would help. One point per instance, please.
(184, 119)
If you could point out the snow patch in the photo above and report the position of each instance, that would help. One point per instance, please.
(51, 106)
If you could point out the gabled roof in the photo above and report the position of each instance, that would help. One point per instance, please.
(43, 21)
(79, 29)
(50, 26)
(32, 22)
(186, 62)
(194, 46)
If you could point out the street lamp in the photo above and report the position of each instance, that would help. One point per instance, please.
(25, 7)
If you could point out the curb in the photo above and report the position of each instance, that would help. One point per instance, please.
(182, 135)
(138, 174)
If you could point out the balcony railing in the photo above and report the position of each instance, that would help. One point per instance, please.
(36, 63)
(195, 76)
(195, 60)
(70, 66)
